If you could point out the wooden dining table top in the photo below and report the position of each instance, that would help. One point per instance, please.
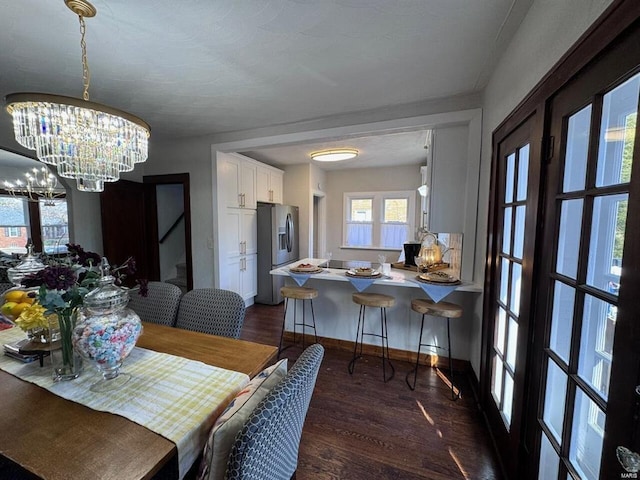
(55, 438)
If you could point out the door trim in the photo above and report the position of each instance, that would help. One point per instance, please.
(176, 178)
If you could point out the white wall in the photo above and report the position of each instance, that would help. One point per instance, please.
(296, 184)
(546, 33)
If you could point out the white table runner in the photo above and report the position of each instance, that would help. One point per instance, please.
(177, 398)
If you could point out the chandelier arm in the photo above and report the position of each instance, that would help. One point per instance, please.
(86, 74)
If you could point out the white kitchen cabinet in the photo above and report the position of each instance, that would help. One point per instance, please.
(236, 181)
(240, 233)
(241, 276)
(269, 184)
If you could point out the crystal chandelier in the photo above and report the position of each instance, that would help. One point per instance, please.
(84, 140)
(39, 183)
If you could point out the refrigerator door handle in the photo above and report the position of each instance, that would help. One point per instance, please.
(289, 229)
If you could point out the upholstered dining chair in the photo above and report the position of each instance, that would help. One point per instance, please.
(267, 446)
(159, 306)
(212, 310)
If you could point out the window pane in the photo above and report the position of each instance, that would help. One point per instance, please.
(512, 343)
(514, 304)
(508, 398)
(596, 343)
(549, 461)
(506, 235)
(496, 380)
(575, 167)
(607, 241)
(361, 210)
(55, 226)
(586, 437)
(393, 235)
(554, 400)
(14, 220)
(396, 210)
(562, 320)
(617, 133)
(523, 172)
(510, 179)
(518, 235)
(359, 234)
(504, 281)
(569, 237)
(501, 327)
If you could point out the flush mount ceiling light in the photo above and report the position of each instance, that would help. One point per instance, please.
(334, 155)
(84, 140)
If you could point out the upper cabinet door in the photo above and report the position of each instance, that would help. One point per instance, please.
(276, 181)
(269, 185)
(229, 180)
(248, 185)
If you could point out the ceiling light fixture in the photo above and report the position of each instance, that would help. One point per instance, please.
(84, 140)
(39, 183)
(334, 155)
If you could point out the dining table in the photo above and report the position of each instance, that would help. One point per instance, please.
(47, 436)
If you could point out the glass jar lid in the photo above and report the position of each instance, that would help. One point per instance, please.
(30, 264)
(106, 297)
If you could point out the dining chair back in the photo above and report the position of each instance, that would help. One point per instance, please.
(159, 306)
(267, 446)
(212, 310)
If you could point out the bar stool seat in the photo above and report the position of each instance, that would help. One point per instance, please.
(381, 301)
(298, 293)
(441, 310)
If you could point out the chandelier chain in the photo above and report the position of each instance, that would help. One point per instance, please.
(86, 74)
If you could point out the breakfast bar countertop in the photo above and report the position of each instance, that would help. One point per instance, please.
(397, 278)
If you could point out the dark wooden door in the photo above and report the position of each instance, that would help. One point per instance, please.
(125, 225)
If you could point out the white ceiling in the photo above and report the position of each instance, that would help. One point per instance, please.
(194, 67)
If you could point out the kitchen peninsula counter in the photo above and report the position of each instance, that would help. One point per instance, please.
(337, 315)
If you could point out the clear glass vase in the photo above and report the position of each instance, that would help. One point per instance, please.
(65, 361)
(107, 331)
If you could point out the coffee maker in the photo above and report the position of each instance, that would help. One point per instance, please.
(411, 250)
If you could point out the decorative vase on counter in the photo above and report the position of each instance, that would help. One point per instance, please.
(107, 331)
(66, 362)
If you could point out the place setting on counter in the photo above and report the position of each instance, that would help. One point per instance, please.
(301, 272)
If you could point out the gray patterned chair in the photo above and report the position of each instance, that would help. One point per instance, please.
(211, 310)
(267, 446)
(159, 306)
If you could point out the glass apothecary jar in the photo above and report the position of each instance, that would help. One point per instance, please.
(107, 331)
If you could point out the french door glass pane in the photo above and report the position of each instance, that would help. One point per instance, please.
(607, 241)
(575, 163)
(512, 343)
(569, 237)
(549, 461)
(523, 172)
(518, 235)
(514, 304)
(504, 280)
(554, 400)
(564, 298)
(506, 238)
(54, 225)
(511, 168)
(617, 133)
(596, 343)
(496, 380)
(507, 405)
(501, 327)
(587, 435)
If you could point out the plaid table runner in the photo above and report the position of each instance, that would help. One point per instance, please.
(177, 398)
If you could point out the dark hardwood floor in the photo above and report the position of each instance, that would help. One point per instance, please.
(359, 427)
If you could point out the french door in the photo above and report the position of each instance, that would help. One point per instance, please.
(586, 346)
(561, 346)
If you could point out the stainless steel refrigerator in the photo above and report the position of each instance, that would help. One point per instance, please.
(277, 247)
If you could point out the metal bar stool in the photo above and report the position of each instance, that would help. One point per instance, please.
(298, 293)
(442, 310)
(373, 300)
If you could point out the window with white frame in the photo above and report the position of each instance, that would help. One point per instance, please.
(383, 220)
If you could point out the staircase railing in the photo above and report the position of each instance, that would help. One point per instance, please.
(172, 228)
